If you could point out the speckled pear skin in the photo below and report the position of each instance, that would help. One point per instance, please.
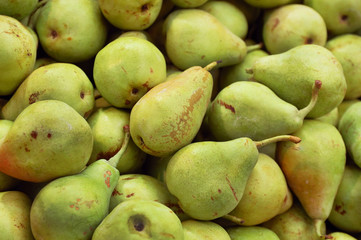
(251, 233)
(72, 207)
(180, 104)
(15, 215)
(291, 75)
(186, 46)
(195, 230)
(58, 81)
(33, 149)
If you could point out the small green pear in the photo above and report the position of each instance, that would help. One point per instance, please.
(140, 219)
(331, 117)
(18, 9)
(17, 55)
(196, 230)
(344, 105)
(292, 25)
(58, 81)
(291, 75)
(186, 45)
(126, 69)
(15, 216)
(251, 233)
(268, 3)
(48, 139)
(189, 4)
(340, 236)
(141, 34)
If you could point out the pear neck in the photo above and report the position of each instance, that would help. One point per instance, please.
(280, 138)
(315, 90)
(210, 66)
(257, 46)
(113, 161)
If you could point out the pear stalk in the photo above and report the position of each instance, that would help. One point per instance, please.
(113, 161)
(254, 47)
(267, 141)
(315, 89)
(210, 66)
(234, 219)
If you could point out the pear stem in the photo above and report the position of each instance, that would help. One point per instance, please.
(210, 66)
(254, 47)
(113, 161)
(249, 70)
(267, 141)
(318, 226)
(315, 90)
(234, 219)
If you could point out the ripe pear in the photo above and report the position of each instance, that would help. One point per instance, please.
(344, 105)
(69, 35)
(350, 127)
(331, 117)
(140, 219)
(18, 9)
(141, 34)
(48, 139)
(235, 113)
(71, 207)
(17, 55)
(229, 15)
(251, 233)
(196, 230)
(314, 167)
(268, 3)
(291, 75)
(186, 45)
(15, 216)
(346, 213)
(42, 61)
(131, 15)
(189, 4)
(223, 168)
(126, 69)
(340, 236)
(341, 16)
(265, 194)
(347, 49)
(292, 25)
(180, 104)
(58, 81)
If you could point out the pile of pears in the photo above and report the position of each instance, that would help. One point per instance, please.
(180, 119)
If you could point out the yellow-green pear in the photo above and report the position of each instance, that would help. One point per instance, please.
(188, 3)
(18, 9)
(340, 236)
(269, 3)
(331, 117)
(344, 105)
(197, 230)
(251, 233)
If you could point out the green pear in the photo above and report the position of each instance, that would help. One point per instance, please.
(18, 9)
(331, 117)
(18, 54)
(252, 13)
(189, 4)
(347, 49)
(346, 213)
(69, 35)
(265, 194)
(141, 34)
(292, 25)
(71, 207)
(350, 127)
(291, 75)
(269, 3)
(15, 216)
(340, 236)
(48, 139)
(126, 69)
(344, 105)
(341, 16)
(140, 219)
(294, 224)
(186, 45)
(65, 82)
(234, 112)
(156, 167)
(131, 15)
(180, 104)
(229, 15)
(314, 167)
(251, 233)
(197, 230)
(141, 186)
(238, 72)
(223, 168)
(42, 61)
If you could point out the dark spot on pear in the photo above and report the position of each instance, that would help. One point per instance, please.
(137, 222)
(33, 97)
(116, 192)
(27, 149)
(34, 134)
(128, 178)
(344, 18)
(69, 38)
(219, 190)
(127, 102)
(29, 54)
(135, 90)
(82, 95)
(130, 195)
(227, 106)
(277, 21)
(53, 34)
(308, 41)
(49, 135)
(108, 154)
(144, 7)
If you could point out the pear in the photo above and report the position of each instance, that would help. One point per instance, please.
(314, 167)
(186, 45)
(265, 194)
(48, 139)
(347, 49)
(71, 207)
(196, 230)
(42, 61)
(180, 104)
(69, 35)
(15, 216)
(291, 75)
(229, 15)
(18, 9)
(156, 167)
(350, 128)
(18, 54)
(346, 214)
(344, 105)
(126, 68)
(189, 4)
(223, 168)
(58, 81)
(235, 113)
(140, 219)
(268, 3)
(141, 34)
(341, 16)
(131, 15)
(251, 233)
(141, 186)
(292, 25)
(340, 236)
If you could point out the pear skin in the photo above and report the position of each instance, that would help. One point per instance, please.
(340, 236)
(268, 3)
(251, 233)
(195, 230)
(17, 9)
